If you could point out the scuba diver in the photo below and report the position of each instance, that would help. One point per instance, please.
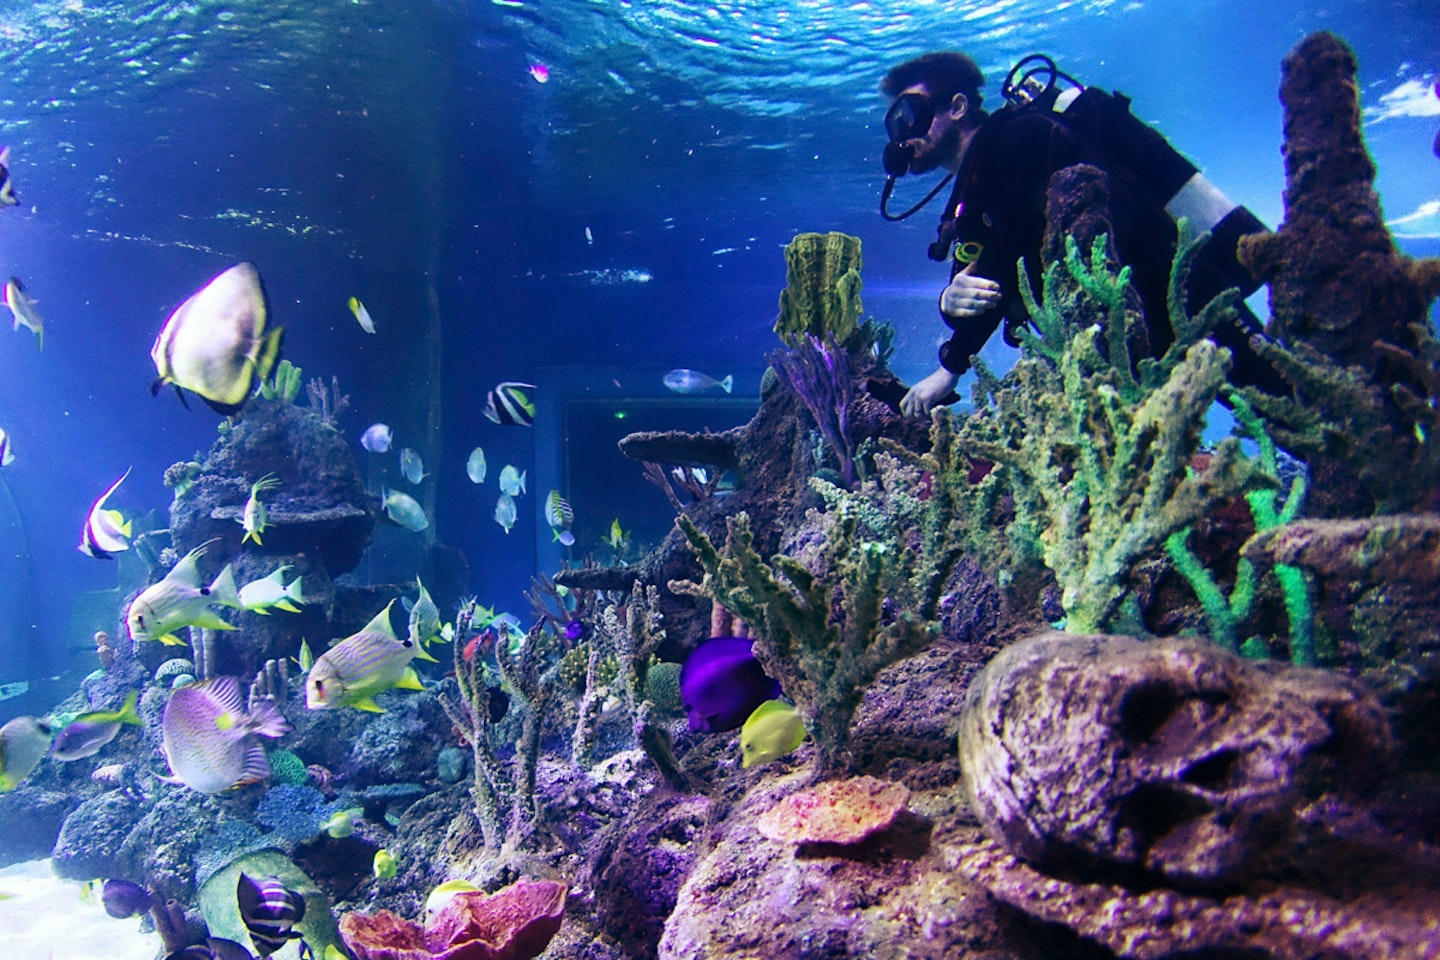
(1002, 164)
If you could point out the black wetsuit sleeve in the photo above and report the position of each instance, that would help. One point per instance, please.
(1005, 215)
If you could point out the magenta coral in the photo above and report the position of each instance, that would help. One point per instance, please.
(515, 923)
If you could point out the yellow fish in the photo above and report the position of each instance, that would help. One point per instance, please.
(362, 316)
(180, 600)
(362, 665)
(254, 517)
(385, 868)
(772, 731)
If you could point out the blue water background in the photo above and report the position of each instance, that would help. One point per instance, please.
(587, 233)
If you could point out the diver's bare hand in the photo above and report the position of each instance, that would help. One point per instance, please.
(924, 395)
(969, 296)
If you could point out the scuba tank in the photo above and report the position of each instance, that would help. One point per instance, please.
(1100, 121)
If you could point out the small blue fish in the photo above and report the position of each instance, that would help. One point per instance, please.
(512, 481)
(505, 514)
(405, 510)
(376, 438)
(412, 466)
(685, 380)
(475, 466)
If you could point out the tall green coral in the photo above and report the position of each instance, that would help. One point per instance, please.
(822, 289)
(825, 636)
(1097, 450)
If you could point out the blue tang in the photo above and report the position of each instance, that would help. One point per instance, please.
(722, 683)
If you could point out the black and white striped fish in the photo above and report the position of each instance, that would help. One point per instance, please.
(508, 404)
(269, 912)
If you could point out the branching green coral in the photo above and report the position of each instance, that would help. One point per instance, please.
(1097, 457)
(505, 804)
(1390, 440)
(1225, 615)
(825, 638)
(284, 384)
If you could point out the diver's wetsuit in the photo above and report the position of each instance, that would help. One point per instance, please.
(1001, 190)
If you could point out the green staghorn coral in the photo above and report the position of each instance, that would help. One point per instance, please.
(1225, 615)
(284, 384)
(825, 636)
(1096, 456)
(1388, 436)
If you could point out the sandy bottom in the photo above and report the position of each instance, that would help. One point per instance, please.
(44, 918)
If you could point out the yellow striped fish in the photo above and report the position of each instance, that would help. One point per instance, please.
(371, 661)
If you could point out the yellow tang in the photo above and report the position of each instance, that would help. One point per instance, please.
(772, 731)
(215, 344)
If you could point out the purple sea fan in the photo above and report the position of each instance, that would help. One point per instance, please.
(819, 372)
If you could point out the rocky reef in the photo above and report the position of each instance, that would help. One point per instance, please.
(1003, 759)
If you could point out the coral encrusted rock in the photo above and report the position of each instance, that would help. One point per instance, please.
(1168, 761)
(837, 811)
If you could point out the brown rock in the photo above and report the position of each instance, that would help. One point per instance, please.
(1168, 761)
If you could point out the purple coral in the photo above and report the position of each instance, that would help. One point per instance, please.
(819, 373)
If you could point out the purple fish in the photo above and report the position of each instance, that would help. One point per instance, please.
(124, 899)
(575, 630)
(722, 683)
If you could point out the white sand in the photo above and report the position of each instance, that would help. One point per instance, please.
(45, 919)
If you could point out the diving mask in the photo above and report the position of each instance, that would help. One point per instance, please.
(909, 117)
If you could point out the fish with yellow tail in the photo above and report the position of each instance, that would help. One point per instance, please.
(216, 344)
(371, 661)
(254, 518)
(23, 741)
(772, 731)
(211, 739)
(385, 866)
(425, 625)
(272, 592)
(362, 316)
(106, 532)
(88, 733)
(181, 600)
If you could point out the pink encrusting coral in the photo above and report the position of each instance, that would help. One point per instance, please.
(837, 811)
(514, 923)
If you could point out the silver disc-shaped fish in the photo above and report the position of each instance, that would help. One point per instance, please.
(215, 344)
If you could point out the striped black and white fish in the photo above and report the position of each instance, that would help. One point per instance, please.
(270, 912)
(508, 404)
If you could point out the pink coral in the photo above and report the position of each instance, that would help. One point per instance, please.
(838, 811)
(514, 923)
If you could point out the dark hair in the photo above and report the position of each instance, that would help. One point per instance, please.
(944, 73)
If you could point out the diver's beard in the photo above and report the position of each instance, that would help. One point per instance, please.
(934, 157)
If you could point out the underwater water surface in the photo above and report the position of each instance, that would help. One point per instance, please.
(575, 194)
